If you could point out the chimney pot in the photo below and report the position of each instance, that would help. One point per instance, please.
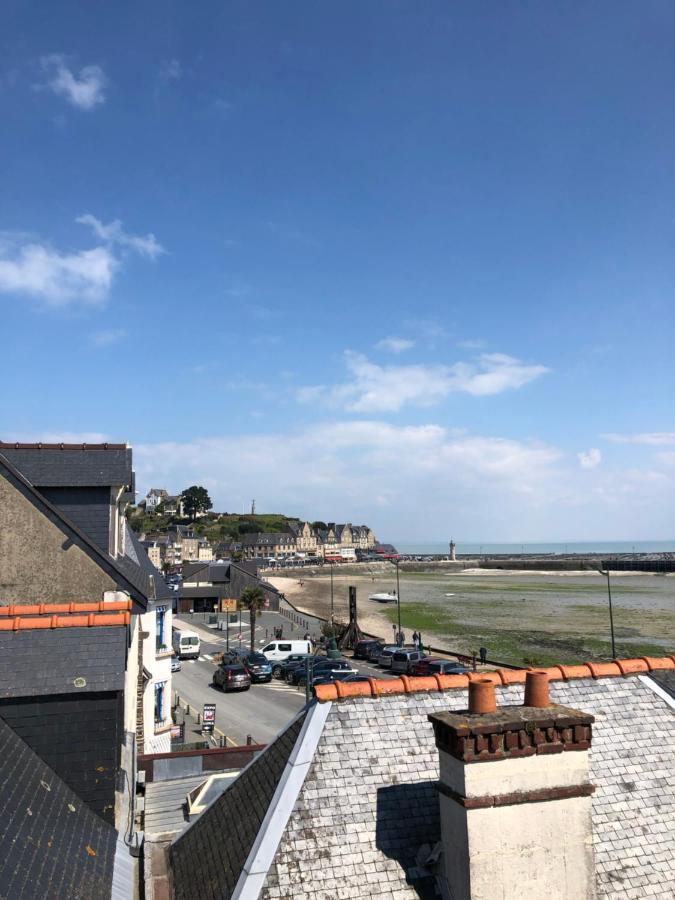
(482, 696)
(536, 689)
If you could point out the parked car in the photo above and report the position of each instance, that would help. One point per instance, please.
(279, 669)
(432, 665)
(374, 653)
(232, 677)
(258, 667)
(404, 659)
(343, 676)
(278, 651)
(175, 664)
(364, 649)
(384, 659)
(324, 667)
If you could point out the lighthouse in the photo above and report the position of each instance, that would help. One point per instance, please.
(452, 550)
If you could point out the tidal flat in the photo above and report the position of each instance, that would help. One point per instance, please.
(522, 618)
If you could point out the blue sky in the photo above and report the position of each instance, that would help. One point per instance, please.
(362, 261)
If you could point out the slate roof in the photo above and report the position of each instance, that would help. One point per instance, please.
(51, 845)
(369, 801)
(97, 655)
(268, 539)
(68, 465)
(209, 856)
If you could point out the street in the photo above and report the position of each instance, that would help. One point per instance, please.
(263, 710)
(260, 712)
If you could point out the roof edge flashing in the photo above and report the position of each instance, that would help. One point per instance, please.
(278, 813)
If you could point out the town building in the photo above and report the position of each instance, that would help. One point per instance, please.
(217, 586)
(64, 539)
(154, 498)
(409, 788)
(277, 546)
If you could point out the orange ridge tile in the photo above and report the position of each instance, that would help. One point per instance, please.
(630, 666)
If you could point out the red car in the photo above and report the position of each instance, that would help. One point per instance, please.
(433, 665)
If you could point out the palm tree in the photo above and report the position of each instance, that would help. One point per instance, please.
(253, 599)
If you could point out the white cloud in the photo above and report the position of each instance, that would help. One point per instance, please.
(394, 344)
(170, 70)
(590, 459)
(471, 344)
(653, 438)
(375, 388)
(107, 337)
(113, 233)
(421, 482)
(84, 90)
(57, 437)
(57, 278)
(61, 278)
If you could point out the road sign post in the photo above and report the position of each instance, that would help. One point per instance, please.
(208, 718)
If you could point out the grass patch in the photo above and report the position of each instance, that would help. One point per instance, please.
(517, 646)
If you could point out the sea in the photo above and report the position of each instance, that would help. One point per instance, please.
(555, 549)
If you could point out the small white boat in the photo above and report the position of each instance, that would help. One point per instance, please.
(384, 598)
(449, 595)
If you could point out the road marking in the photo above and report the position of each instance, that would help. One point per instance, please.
(207, 656)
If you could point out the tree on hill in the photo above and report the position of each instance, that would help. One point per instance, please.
(195, 500)
(319, 525)
(253, 599)
(247, 527)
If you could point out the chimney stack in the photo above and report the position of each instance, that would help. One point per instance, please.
(515, 797)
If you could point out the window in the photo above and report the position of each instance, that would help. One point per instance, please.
(159, 702)
(160, 643)
(285, 647)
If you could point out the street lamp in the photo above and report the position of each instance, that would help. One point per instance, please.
(611, 615)
(332, 602)
(398, 600)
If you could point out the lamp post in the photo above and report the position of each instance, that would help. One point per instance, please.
(332, 603)
(611, 614)
(398, 601)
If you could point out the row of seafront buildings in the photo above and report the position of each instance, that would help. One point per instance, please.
(182, 544)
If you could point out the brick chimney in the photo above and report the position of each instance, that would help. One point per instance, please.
(515, 797)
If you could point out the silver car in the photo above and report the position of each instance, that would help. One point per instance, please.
(404, 659)
(386, 656)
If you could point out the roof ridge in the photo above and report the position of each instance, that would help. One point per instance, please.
(42, 609)
(87, 620)
(406, 684)
(39, 445)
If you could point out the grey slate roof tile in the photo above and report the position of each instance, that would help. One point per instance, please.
(51, 845)
(97, 654)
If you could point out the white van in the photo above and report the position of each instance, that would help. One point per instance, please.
(185, 644)
(282, 649)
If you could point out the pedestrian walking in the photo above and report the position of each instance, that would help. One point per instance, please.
(415, 638)
(419, 641)
(483, 655)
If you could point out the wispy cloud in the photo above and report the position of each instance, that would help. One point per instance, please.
(85, 90)
(472, 344)
(237, 290)
(58, 278)
(394, 344)
(113, 233)
(375, 388)
(61, 278)
(652, 438)
(108, 336)
(590, 459)
(170, 70)
(57, 437)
